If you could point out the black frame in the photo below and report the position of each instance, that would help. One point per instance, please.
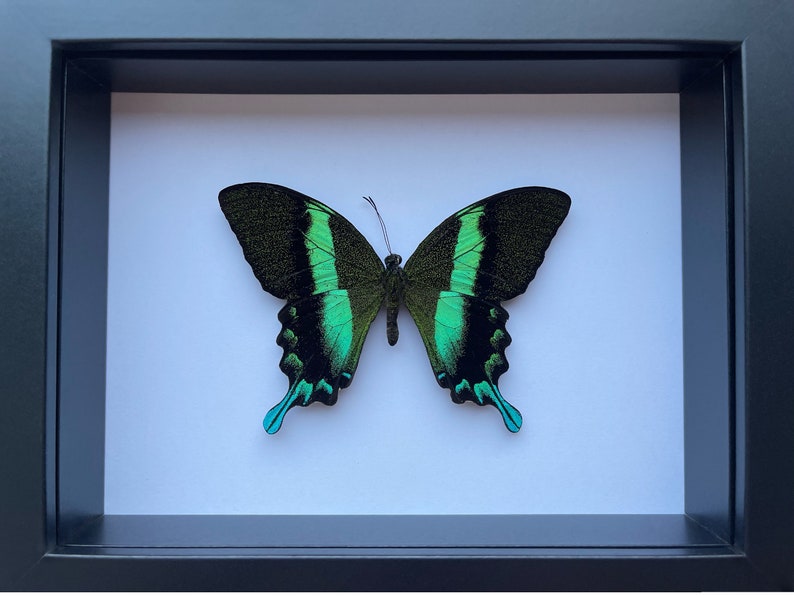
(730, 61)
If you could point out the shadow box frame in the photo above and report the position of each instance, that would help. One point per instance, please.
(730, 63)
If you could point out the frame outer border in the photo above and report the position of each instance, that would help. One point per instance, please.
(28, 31)
(768, 495)
(26, 367)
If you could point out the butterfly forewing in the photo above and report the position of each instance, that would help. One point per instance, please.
(303, 251)
(482, 255)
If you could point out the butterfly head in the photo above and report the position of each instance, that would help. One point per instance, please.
(393, 262)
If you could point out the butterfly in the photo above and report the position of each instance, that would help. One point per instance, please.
(335, 284)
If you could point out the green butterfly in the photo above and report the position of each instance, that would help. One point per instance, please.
(335, 284)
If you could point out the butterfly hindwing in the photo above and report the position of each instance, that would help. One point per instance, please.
(303, 251)
(480, 256)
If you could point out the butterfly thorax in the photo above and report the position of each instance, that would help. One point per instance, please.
(394, 283)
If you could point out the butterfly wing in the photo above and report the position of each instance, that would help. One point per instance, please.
(305, 252)
(482, 255)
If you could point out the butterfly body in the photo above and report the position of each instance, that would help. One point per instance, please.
(394, 283)
(335, 284)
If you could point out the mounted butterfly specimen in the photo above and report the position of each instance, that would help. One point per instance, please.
(334, 283)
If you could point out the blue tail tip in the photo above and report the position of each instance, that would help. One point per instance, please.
(273, 420)
(511, 416)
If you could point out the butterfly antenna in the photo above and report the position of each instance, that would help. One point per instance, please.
(380, 219)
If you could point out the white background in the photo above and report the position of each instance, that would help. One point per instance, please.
(596, 359)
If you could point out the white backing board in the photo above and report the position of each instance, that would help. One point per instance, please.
(596, 360)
